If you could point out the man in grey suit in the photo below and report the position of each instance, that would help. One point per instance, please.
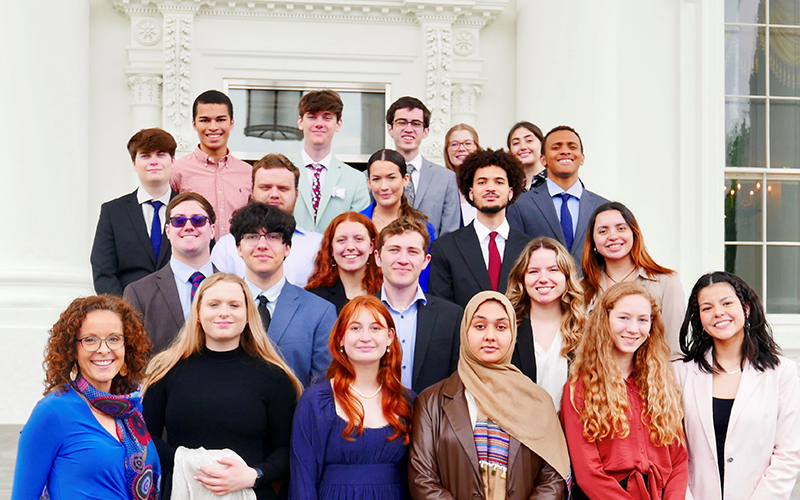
(298, 322)
(164, 298)
(433, 189)
(560, 207)
(327, 186)
(427, 327)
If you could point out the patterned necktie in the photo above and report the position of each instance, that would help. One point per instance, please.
(264, 312)
(195, 279)
(155, 228)
(409, 189)
(494, 262)
(566, 220)
(316, 187)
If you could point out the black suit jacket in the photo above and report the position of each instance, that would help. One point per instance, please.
(535, 215)
(438, 342)
(458, 270)
(122, 253)
(524, 355)
(334, 294)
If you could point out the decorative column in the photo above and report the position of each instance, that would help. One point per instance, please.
(465, 103)
(177, 112)
(438, 83)
(145, 101)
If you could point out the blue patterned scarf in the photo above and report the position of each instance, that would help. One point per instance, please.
(142, 472)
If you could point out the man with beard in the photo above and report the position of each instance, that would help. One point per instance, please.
(479, 257)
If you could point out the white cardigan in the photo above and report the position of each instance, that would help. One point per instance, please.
(762, 447)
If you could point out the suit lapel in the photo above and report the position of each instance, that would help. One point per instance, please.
(457, 414)
(426, 319)
(165, 252)
(331, 180)
(424, 181)
(285, 308)
(585, 209)
(748, 384)
(541, 197)
(470, 250)
(137, 220)
(514, 245)
(513, 449)
(524, 346)
(303, 190)
(168, 289)
(702, 383)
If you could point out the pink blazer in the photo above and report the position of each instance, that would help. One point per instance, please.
(762, 447)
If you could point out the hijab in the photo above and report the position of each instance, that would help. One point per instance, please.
(510, 399)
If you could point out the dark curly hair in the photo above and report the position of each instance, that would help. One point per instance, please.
(256, 217)
(758, 346)
(491, 157)
(60, 355)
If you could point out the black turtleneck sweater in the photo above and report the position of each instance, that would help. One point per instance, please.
(224, 400)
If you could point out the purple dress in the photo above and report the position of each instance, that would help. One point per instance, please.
(326, 466)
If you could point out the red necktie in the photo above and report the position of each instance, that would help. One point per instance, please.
(494, 261)
(316, 186)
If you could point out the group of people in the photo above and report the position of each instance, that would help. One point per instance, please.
(488, 329)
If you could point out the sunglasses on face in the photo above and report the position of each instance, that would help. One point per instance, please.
(195, 220)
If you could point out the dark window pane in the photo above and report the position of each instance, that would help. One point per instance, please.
(745, 262)
(784, 12)
(743, 210)
(783, 280)
(745, 132)
(744, 61)
(783, 211)
(784, 121)
(744, 11)
(784, 62)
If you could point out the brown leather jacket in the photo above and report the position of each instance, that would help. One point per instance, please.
(443, 460)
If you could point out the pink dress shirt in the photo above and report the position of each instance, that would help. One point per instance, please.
(227, 185)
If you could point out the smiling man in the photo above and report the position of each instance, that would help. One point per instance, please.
(328, 187)
(432, 188)
(275, 182)
(298, 322)
(210, 170)
(129, 242)
(560, 207)
(479, 257)
(427, 327)
(164, 298)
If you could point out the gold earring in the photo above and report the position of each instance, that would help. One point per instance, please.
(73, 374)
(123, 372)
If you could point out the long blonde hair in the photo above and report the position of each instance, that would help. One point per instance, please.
(191, 339)
(573, 309)
(604, 400)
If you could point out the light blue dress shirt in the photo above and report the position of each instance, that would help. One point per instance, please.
(272, 294)
(182, 273)
(574, 203)
(405, 322)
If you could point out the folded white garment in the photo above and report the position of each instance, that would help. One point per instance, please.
(187, 465)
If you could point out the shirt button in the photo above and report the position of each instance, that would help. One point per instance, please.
(730, 459)
(404, 367)
(402, 317)
(642, 450)
(403, 341)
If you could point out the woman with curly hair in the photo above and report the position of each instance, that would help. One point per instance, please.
(543, 287)
(350, 433)
(87, 436)
(222, 384)
(621, 408)
(741, 397)
(615, 252)
(487, 431)
(459, 142)
(345, 265)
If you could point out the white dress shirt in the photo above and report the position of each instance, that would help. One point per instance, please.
(484, 238)
(325, 162)
(417, 162)
(148, 210)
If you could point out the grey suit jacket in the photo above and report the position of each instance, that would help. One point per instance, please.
(156, 299)
(535, 215)
(300, 328)
(437, 197)
(344, 190)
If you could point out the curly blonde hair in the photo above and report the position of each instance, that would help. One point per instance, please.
(61, 356)
(573, 310)
(603, 401)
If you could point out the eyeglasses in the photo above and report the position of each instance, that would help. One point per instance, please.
(195, 220)
(254, 238)
(468, 144)
(401, 122)
(92, 343)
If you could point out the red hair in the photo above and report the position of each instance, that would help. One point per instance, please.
(396, 408)
(325, 272)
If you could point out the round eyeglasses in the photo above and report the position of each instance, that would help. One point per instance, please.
(93, 343)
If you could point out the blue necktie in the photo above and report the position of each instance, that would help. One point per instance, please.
(195, 279)
(155, 228)
(566, 220)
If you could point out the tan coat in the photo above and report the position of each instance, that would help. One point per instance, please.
(443, 460)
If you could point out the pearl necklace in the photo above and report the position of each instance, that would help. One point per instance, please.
(364, 395)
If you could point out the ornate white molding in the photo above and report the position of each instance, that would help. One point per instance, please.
(464, 43)
(465, 98)
(177, 71)
(468, 12)
(145, 90)
(148, 32)
(438, 77)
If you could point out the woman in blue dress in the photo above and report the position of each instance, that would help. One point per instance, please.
(350, 432)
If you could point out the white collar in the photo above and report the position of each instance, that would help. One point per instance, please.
(483, 231)
(325, 162)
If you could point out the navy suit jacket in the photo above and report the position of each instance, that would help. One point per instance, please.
(535, 215)
(122, 253)
(156, 299)
(438, 341)
(458, 270)
(300, 328)
(437, 197)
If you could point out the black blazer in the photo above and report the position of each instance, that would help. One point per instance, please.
(122, 253)
(334, 294)
(458, 270)
(535, 215)
(524, 355)
(438, 342)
